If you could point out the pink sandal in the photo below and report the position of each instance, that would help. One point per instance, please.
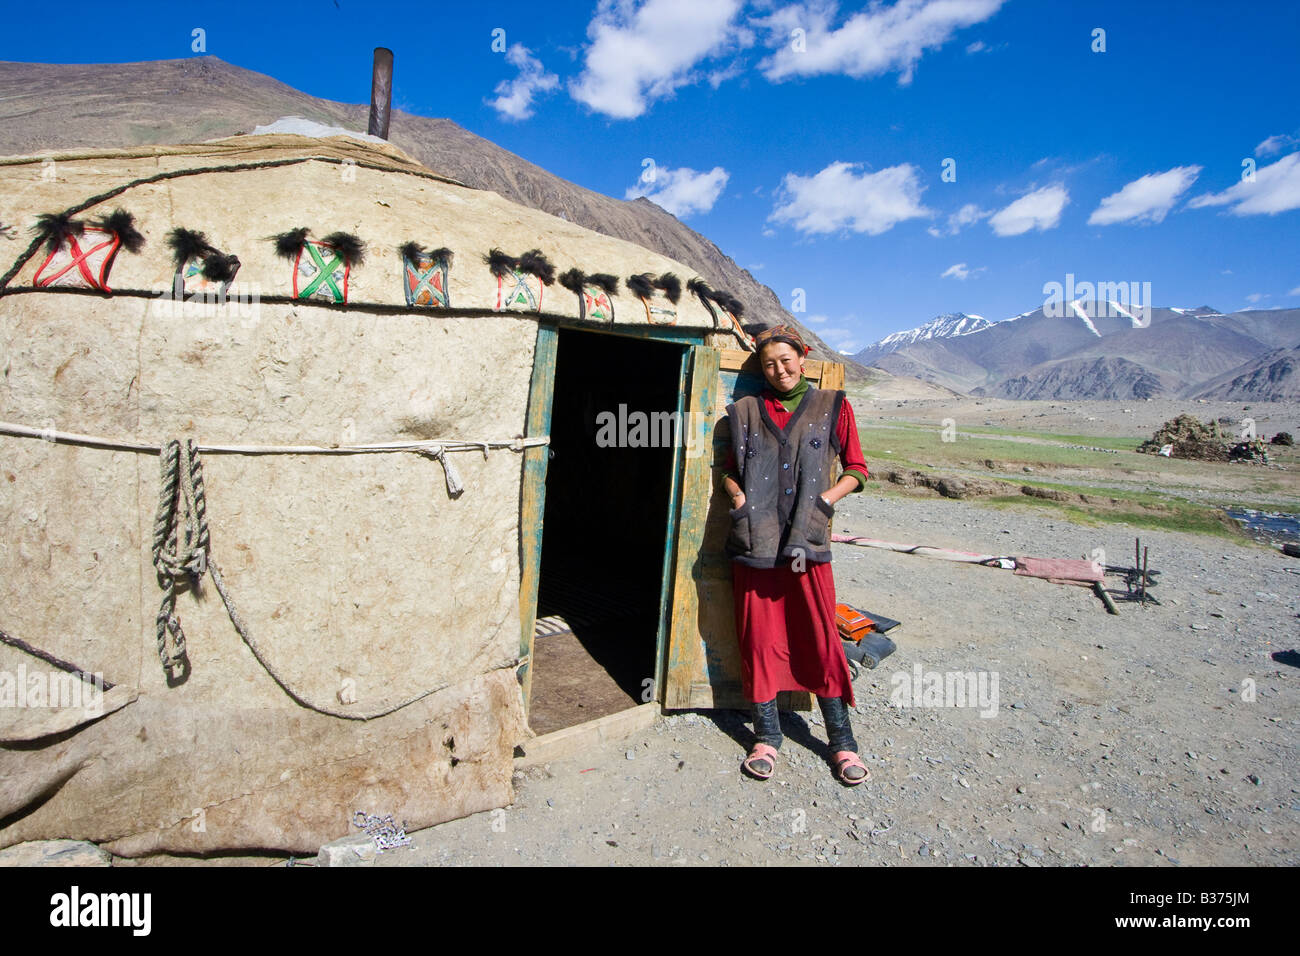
(761, 753)
(842, 761)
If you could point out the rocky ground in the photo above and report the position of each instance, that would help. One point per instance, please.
(1164, 736)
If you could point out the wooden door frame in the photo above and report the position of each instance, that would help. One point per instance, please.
(532, 497)
(541, 403)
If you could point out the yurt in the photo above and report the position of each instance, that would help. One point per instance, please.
(327, 484)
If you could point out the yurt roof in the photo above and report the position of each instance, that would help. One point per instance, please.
(242, 191)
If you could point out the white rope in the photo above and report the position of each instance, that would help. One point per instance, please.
(945, 554)
(431, 448)
(435, 449)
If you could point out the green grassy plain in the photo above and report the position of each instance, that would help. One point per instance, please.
(1122, 485)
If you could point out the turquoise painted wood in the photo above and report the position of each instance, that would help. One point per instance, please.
(684, 415)
(541, 398)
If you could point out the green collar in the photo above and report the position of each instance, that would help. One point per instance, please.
(792, 398)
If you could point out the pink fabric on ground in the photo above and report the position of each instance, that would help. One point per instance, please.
(1060, 569)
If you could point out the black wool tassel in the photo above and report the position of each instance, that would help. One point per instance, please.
(573, 280)
(220, 268)
(535, 263)
(55, 228)
(499, 263)
(187, 244)
(414, 253)
(671, 286)
(123, 223)
(411, 252)
(605, 281)
(700, 288)
(730, 303)
(349, 247)
(642, 285)
(289, 244)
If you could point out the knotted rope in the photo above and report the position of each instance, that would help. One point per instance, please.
(180, 540)
(180, 548)
(181, 545)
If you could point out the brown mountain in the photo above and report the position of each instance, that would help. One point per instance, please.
(61, 106)
(1091, 351)
(1273, 378)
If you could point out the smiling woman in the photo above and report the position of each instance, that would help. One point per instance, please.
(783, 443)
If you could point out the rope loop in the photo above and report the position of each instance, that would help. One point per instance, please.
(180, 540)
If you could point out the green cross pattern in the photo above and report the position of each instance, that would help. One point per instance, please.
(520, 293)
(325, 275)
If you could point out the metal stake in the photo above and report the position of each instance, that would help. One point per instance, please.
(1144, 577)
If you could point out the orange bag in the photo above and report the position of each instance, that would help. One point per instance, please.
(853, 624)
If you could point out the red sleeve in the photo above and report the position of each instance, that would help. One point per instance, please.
(846, 431)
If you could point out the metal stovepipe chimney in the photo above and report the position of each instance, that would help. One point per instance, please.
(381, 92)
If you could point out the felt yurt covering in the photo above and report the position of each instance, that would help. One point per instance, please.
(363, 580)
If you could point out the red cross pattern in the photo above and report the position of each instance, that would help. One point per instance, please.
(78, 266)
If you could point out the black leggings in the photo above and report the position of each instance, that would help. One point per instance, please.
(767, 725)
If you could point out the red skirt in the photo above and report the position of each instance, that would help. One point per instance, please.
(785, 622)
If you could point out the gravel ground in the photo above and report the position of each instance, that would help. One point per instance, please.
(1164, 736)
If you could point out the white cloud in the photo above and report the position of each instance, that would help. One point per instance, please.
(815, 320)
(872, 42)
(838, 198)
(1295, 291)
(729, 72)
(1275, 144)
(683, 191)
(1275, 189)
(1040, 209)
(514, 98)
(961, 272)
(1147, 199)
(979, 46)
(1256, 297)
(967, 215)
(840, 339)
(641, 54)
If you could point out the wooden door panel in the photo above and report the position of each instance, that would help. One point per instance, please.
(541, 398)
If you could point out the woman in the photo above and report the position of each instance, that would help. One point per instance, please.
(783, 443)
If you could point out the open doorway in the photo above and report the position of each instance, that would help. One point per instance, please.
(604, 528)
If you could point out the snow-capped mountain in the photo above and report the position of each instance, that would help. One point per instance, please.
(942, 327)
(1101, 349)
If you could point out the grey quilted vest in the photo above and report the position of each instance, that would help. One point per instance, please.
(783, 473)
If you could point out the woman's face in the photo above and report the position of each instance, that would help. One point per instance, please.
(782, 365)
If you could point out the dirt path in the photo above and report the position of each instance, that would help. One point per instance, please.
(1163, 736)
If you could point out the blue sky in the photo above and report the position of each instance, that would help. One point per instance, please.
(810, 140)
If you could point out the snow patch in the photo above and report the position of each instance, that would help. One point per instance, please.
(297, 126)
(1117, 309)
(1084, 315)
